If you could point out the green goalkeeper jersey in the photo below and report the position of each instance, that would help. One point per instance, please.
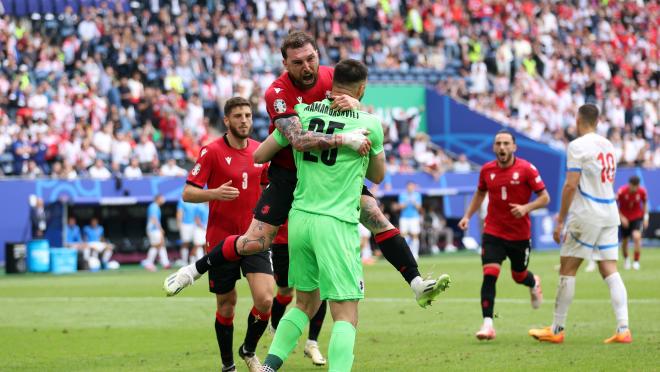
(330, 181)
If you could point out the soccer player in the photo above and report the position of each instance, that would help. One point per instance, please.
(185, 220)
(410, 222)
(156, 236)
(304, 81)
(634, 213)
(588, 210)
(234, 184)
(324, 243)
(509, 182)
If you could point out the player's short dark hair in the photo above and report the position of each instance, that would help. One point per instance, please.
(506, 131)
(634, 180)
(588, 114)
(295, 40)
(233, 103)
(350, 72)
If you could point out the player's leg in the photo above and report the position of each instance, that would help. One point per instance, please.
(163, 259)
(257, 239)
(625, 236)
(280, 257)
(342, 339)
(637, 242)
(396, 251)
(312, 350)
(106, 255)
(304, 277)
(341, 282)
(577, 247)
(222, 282)
(607, 255)
(493, 252)
(155, 237)
(291, 328)
(518, 253)
(257, 270)
(186, 235)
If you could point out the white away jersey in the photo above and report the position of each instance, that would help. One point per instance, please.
(593, 156)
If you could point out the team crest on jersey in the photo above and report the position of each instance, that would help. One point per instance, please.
(299, 99)
(195, 170)
(203, 153)
(515, 175)
(328, 94)
(492, 176)
(279, 105)
(277, 90)
(228, 160)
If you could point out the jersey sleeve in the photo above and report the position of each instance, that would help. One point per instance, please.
(376, 137)
(201, 171)
(482, 181)
(534, 179)
(574, 158)
(278, 102)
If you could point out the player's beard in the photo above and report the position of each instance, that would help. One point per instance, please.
(306, 84)
(507, 158)
(236, 133)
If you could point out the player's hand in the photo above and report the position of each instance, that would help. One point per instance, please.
(518, 210)
(357, 141)
(624, 222)
(225, 192)
(463, 223)
(557, 234)
(344, 103)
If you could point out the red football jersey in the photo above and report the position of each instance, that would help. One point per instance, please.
(281, 98)
(631, 204)
(218, 163)
(508, 185)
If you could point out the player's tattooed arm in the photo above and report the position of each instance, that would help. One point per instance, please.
(258, 238)
(303, 140)
(372, 217)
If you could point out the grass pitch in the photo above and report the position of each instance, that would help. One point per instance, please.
(121, 321)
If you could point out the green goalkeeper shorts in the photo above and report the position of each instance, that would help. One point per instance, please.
(324, 253)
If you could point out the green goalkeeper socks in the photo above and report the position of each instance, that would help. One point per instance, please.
(342, 341)
(286, 337)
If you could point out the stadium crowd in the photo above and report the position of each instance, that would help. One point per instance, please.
(98, 91)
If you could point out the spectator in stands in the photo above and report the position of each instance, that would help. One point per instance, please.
(462, 165)
(171, 169)
(94, 235)
(133, 169)
(146, 152)
(99, 171)
(21, 150)
(526, 64)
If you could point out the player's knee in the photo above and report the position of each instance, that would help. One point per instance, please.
(263, 303)
(491, 271)
(519, 276)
